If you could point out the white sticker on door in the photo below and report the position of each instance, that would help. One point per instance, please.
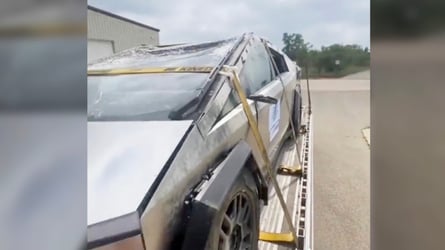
(274, 120)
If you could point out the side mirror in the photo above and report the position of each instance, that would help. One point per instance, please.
(262, 98)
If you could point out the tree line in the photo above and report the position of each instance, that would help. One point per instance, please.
(332, 61)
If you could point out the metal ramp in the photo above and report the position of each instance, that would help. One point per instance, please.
(297, 192)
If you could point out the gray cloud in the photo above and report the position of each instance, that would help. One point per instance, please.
(321, 22)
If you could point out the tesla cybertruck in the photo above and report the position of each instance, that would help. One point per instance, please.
(172, 162)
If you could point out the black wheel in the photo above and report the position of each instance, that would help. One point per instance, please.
(296, 116)
(237, 225)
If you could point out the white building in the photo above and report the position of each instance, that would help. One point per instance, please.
(109, 33)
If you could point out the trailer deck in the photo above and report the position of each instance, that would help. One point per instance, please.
(297, 192)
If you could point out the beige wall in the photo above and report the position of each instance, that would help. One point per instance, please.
(123, 34)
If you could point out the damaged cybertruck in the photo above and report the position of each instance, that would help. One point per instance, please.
(172, 163)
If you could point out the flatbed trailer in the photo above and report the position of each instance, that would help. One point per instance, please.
(297, 192)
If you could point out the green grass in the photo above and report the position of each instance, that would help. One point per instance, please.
(313, 73)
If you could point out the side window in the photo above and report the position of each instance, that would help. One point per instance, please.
(257, 70)
(256, 73)
(279, 61)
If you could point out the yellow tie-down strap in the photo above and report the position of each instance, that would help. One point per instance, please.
(290, 170)
(277, 237)
(271, 237)
(156, 70)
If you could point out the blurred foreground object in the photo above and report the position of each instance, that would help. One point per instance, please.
(42, 124)
(408, 124)
(30, 19)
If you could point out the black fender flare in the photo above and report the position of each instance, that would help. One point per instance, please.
(210, 195)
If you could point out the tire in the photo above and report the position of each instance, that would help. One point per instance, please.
(236, 225)
(296, 114)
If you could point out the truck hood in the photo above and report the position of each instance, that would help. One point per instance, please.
(124, 159)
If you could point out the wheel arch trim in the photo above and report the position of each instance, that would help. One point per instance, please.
(203, 208)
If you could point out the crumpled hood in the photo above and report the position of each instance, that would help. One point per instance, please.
(124, 159)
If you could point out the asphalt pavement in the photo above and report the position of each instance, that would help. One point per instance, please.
(364, 75)
(341, 109)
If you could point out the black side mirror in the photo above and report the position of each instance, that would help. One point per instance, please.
(262, 98)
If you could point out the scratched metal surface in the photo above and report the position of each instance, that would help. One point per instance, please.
(118, 155)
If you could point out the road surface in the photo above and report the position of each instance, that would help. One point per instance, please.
(359, 76)
(342, 164)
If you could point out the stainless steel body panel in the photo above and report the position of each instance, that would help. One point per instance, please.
(123, 162)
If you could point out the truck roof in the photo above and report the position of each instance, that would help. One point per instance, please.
(207, 54)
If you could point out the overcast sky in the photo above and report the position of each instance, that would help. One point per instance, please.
(321, 22)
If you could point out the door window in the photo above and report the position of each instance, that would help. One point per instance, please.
(279, 61)
(256, 73)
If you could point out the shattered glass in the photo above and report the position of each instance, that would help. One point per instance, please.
(151, 96)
